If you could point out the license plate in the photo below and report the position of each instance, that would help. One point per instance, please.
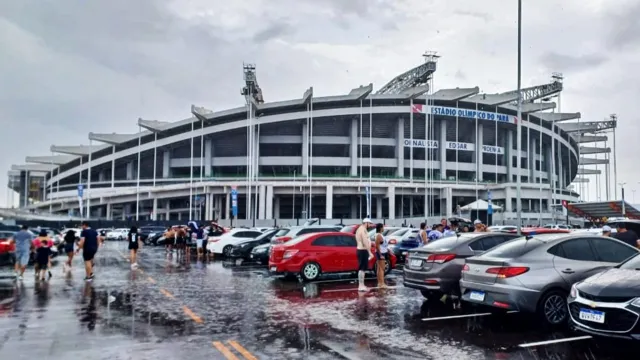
(273, 268)
(415, 263)
(477, 295)
(592, 315)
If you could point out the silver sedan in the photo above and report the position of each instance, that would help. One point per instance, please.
(535, 273)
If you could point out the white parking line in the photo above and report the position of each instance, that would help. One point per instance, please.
(463, 316)
(556, 341)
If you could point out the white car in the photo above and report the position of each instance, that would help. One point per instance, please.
(118, 234)
(224, 243)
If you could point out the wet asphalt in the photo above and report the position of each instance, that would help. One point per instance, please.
(184, 308)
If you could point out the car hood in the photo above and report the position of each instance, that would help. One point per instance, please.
(612, 282)
(240, 243)
(265, 246)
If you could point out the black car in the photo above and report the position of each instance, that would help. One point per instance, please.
(260, 254)
(608, 303)
(146, 232)
(243, 249)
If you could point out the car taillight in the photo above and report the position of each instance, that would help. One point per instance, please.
(508, 271)
(465, 267)
(214, 240)
(282, 239)
(440, 258)
(289, 254)
(393, 241)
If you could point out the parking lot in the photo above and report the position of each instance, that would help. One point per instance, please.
(221, 310)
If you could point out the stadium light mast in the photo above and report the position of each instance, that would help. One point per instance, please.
(614, 118)
(519, 125)
(558, 77)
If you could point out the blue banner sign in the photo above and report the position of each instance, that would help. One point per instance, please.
(234, 201)
(464, 113)
(80, 190)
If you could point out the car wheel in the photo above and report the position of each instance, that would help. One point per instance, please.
(553, 307)
(226, 251)
(310, 271)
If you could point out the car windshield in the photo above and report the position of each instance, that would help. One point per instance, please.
(448, 243)
(633, 263)
(300, 239)
(399, 232)
(514, 248)
(282, 232)
(265, 234)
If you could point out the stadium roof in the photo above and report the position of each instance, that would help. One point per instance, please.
(603, 209)
(558, 116)
(587, 150)
(113, 138)
(581, 138)
(50, 160)
(592, 161)
(153, 125)
(584, 171)
(79, 150)
(531, 107)
(33, 167)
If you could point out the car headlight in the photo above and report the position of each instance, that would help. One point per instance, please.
(574, 291)
(260, 250)
(152, 235)
(244, 245)
(636, 302)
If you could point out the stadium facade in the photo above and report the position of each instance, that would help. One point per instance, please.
(403, 151)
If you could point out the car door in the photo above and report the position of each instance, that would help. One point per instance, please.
(575, 260)
(611, 251)
(348, 253)
(323, 250)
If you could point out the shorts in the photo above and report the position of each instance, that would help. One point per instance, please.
(88, 254)
(133, 245)
(382, 256)
(68, 248)
(43, 263)
(22, 257)
(199, 243)
(363, 260)
(204, 244)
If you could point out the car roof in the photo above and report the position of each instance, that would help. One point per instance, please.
(549, 238)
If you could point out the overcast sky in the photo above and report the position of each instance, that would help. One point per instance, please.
(68, 67)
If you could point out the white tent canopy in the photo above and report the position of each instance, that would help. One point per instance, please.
(480, 205)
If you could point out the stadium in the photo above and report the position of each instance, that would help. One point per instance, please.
(403, 151)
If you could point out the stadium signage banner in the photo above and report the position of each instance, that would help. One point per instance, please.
(463, 113)
(452, 145)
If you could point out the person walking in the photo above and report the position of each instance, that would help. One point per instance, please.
(89, 243)
(382, 255)
(69, 242)
(606, 231)
(363, 251)
(22, 240)
(628, 236)
(134, 244)
(43, 238)
(43, 256)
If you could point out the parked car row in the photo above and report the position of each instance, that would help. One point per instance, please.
(584, 279)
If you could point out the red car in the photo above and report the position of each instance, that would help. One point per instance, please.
(7, 248)
(314, 254)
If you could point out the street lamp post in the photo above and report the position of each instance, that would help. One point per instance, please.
(519, 125)
(624, 211)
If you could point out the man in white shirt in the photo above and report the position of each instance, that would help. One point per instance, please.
(363, 251)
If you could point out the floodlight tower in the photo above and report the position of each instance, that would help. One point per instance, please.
(614, 119)
(253, 95)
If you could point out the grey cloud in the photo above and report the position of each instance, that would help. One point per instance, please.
(475, 14)
(624, 28)
(569, 63)
(274, 30)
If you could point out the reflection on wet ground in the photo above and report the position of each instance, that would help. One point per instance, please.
(172, 309)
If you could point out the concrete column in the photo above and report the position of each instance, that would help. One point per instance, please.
(180, 216)
(443, 150)
(226, 210)
(531, 156)
(400, 148)
(478, 148)
(126, 211)
(262, 202)
(130, 172)
(508, 195)
(509, 156)
(166, 160)
(411, 206)
(154, 210)
(402, 200)
(109, 215)
(167, 210)
(256, 153)
(276, 207)
(354, 147)
(391, 194)
(329, 202)
(269, 203)
(448, 205)
(378, 207)
(208, 151)
(560, 173)
(354, 208)
(305, 150)
(102, 176)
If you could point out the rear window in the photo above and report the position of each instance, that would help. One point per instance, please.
(444, 244)
(6, 234)
(514, 248)
(314, 230)
(299, 239)
(348, 229)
